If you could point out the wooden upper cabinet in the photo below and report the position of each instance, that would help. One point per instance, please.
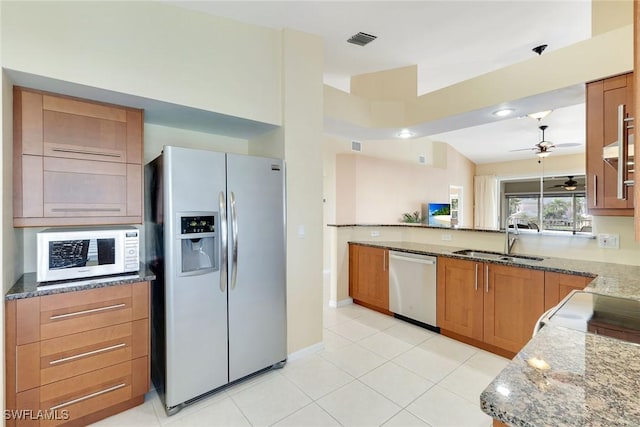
(460, 296)
(76, 162)
(603, 99)
(513, 302)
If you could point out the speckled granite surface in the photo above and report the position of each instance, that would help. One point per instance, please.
(591, 380)
(27, 286)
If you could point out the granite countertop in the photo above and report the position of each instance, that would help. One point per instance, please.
(589, 380)
(612, 279)
(27, 286)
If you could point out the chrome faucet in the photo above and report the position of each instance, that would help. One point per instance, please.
(509, 242)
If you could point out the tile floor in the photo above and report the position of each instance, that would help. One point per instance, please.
(374, 370)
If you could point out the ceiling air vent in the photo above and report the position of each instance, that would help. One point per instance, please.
(356, 146)
(362, 39)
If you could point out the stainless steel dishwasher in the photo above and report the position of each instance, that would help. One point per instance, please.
(412, 287)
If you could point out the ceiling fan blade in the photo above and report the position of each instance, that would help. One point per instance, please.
(523, 149)
(568, 144)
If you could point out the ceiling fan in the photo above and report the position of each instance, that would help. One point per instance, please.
(570, 185)
(544, 147)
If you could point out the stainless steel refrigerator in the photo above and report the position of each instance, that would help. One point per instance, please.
(215, 232)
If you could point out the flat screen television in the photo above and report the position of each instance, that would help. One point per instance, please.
(439, 214)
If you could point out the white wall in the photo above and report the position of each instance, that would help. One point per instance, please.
(149, 49)
(158, 51)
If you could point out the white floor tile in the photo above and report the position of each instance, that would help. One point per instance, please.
(396, 383)
(377, 320)
(331, 318)
(223, 413)
(357, 405)
(385, 345)
(310, 416)
(440, 407)
(355, 360)
(352, 310)
(142, 415)
(449, 348)
(333, 341)
(270, 401)
(473, 376)
(409, 333)
(316, 377)
(428, 365)
(353, 330)
(405, 419)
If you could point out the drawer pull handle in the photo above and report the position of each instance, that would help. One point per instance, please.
(86, 210)
(88, 396)
(93, 153)
(93, 310)
(88, 353)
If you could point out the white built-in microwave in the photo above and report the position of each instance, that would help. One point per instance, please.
(74, 253)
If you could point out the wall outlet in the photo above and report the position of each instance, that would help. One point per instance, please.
(609, 241)
(446, 237)
(375, 233)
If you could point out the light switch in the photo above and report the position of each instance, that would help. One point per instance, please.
(301, 231)
(609, 241)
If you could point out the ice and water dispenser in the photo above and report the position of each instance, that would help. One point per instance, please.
(198, 243)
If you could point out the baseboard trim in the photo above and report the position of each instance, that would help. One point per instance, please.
(341, 303)
(305, 351)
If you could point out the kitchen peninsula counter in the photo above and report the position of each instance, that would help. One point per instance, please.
(585, 379)
(27, 285)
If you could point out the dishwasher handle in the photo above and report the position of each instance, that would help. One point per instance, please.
(412, 259)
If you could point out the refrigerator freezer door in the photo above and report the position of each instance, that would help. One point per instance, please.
(257, 312)
(196, 304)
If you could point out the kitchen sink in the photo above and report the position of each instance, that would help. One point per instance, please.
(496, 256)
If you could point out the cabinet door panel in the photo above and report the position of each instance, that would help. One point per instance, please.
(557, 286)
(613, 98)
(459, 297)
(513, 302)
(81, 137)
(369, 275)
(28, 122)
(84, 188)
(595, 135)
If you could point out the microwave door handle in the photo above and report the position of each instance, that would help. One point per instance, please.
(223, 240)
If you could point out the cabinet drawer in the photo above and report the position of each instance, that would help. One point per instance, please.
(71, 355)
(88, 393)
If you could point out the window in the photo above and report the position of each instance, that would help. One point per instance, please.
(557, 210)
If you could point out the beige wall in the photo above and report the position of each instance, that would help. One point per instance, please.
(572, 164)
(603, 55)
(303, 122)
(196, 60)
(373, 190)
(149, 49)
(607, 15)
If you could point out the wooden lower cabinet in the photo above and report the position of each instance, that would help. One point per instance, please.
(558, 285)
(513, 302)
(77, 357)
(369, 276)
(495, 306)
(459, 297)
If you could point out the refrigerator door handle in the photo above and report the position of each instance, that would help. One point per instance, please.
(223, 241)
(234, 243)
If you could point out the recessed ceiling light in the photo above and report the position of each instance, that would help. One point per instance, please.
(503, 112)
(404, 134)
(540, 114)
